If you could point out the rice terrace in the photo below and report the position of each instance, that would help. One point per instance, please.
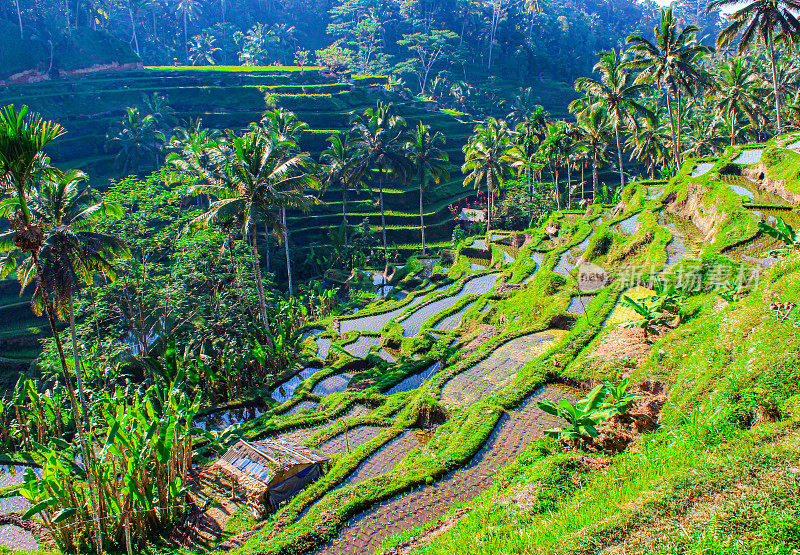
(390, 277)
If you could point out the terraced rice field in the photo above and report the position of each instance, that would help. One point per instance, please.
(749, 157)
(570, 259)
(681, 245)
(744, 187)
(622, 313)
(323, 346)
(333, 384)
(12, 536)
(384, 459)
(578, 304)
(16, 538)
(300, 435)
(515, 431)
(451, 322)
(628, 225)
(361, 346)
(702, 169)
(285, 391)
(475, 286)
(497, 370)
(220, 420)
(308, 406)
(415, 381)
(349, 440)
(375, 322)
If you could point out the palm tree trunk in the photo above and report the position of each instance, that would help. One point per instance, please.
(155, 34)
(66, 10)
(133, 28)
(733, 124)
(583, 178)
(421, 217)
(558, 193)
(344, 210)
(185, 35)
(594, 176)
(678, 128)
(383, 223)
(775, 84)
(286, 246)
(675, 152)
(87, 421)
(19, 18)
(619, 157)
(259, 285)
(222, 7)
(569, 185)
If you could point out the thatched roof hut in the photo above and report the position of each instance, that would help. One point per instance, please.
(271, 471)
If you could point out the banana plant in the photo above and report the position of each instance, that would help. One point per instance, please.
(783, 232)
(649, 316)
(619, 399)
(582, 417)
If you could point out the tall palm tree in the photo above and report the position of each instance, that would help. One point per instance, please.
(671, 62)
(486, 160)
(188, 10)
(595, 135)
(524, 154)
(23, 163)
(760, 19)
(619, 94)
(339, 169)
(737, 94)
(649, 145)
(557, 147)
(430, 162)
(284, 125)
(379, 139)
(137, 139)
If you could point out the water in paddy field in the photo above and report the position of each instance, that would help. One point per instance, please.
(570, 259)
(578, 304)
(510, 254)
(488, 307)
(479, 244)
(375, 322)
(223, 419)
(794, 146)
(384, 459)
(387, 356)
(454, 320)
(323, 346)
(748, 157)
(653, 192)
(702, 169)
(741, 191)
(285, 390)
(332, 384)
(512, 434)
(17, 538)
(628, 225)
(475, 286)
(349, 440)
(415, 381)
(360, 347)
(308, 406)
(743, 186)
(310, 333)
(497, 370)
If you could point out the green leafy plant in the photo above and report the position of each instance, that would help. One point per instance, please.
(783, 232)
(648, 316)
(619, 400)
(582, 417)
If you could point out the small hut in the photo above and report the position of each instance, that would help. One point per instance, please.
(270, 472)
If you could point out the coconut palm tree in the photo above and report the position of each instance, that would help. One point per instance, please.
(136, 139)
(202, 50)
(188, 10)
(378, 137)
(284, 125)
(595, 133)
(736, 94)
(23, 163)
(524, 154)
(617, 92)
(430, 162)
(650, 144)
(671, 62)
(339, 169)
(486, 161)
(765, 20)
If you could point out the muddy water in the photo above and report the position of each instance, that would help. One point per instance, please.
(384, 459)
(16, 538)
(702, 169)
(681, 245)
(300, 435)
(323, 346)
(743, 186)
(748, 157)
(515, 431)
(287, 388)
(497, 370)
(628, 225)
(220, 420)
(578, 304)
(376, 322)
(12, 536)
(332, 384)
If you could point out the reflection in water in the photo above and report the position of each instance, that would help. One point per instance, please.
(220, 420)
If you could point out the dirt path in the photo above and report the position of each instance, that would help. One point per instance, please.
(515, 431)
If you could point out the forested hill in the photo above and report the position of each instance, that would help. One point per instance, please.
(467, 54)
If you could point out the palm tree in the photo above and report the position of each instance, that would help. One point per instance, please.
(595, 135)
(759, 19)
(284, 124)
(202, 49)
(134, 7)
(557, 147)
(649, 144)
(737, 94)
(430, 162)
(618, 94)
(379, 139)
(486, 159)
(23, 163)
(671, 63)
(188, 9)
(137, 139)
(339, 169)
(524, 154)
